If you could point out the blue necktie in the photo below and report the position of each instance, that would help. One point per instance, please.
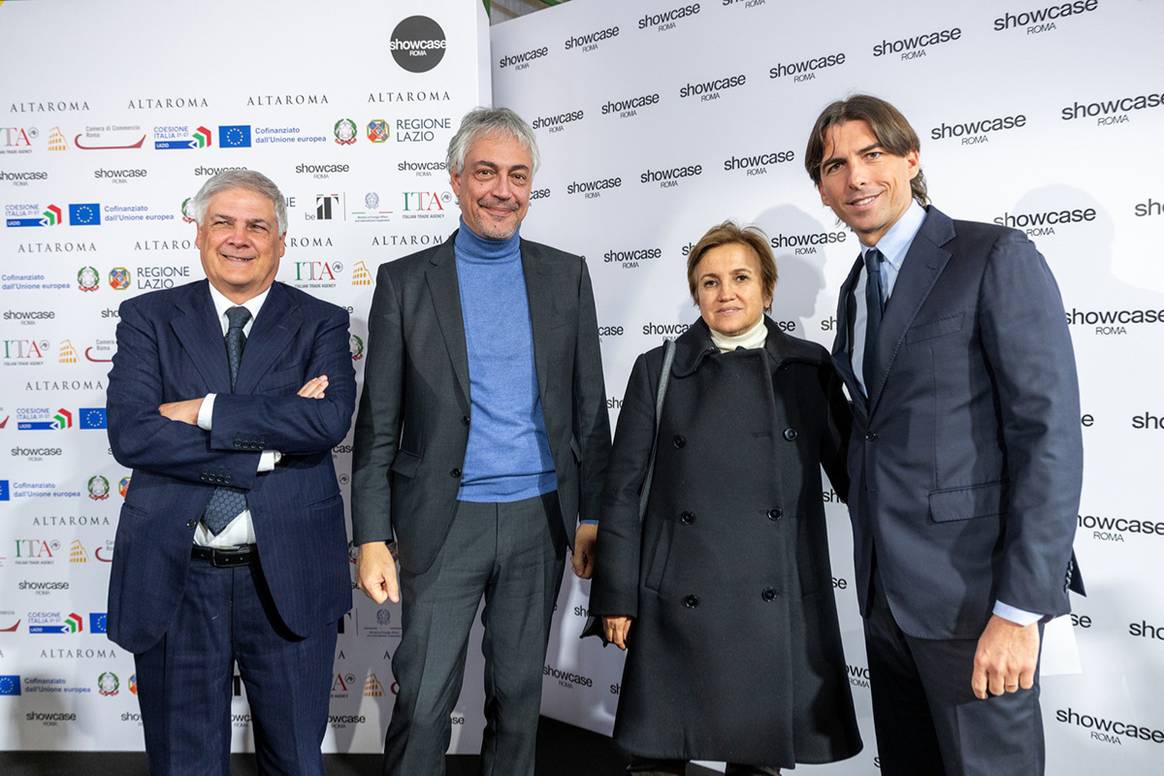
(227, 503)
(874, 307)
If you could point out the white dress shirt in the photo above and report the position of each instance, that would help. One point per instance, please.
(240, 530)
(894, 245)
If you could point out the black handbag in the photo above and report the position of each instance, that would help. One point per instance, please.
(593, 626)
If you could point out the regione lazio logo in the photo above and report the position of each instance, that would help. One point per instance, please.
(234, 136)
(345, 132)
(378, 130)
(119, 278)
(123, 486)
(418, 44)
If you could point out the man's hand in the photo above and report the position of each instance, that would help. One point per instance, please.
(376, 572)
(1006, 659)
(314, 388)
(585, 537)
(182, 411)
(616, 630)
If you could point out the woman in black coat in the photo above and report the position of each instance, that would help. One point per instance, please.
(723, 596)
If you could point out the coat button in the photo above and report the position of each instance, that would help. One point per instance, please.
(465, 419)
(190, 524)
(791, 434)
(691, 601)
(687, 518)
(775, 513)
(769, 594)
(870, 436)
(679, 441)
(454, 473)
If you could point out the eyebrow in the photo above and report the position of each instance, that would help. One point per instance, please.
(495, 166)
(729, 272)
(864, 150)
(250, 221)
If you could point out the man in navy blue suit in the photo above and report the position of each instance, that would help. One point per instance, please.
(226, 397)
(965, 455)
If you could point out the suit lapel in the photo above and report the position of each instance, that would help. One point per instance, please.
(441, 277)
(842, 356)
(270, 337)
(199, 331)
(920, 269)
(541, 304)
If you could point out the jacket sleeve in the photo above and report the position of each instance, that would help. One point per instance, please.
(140, 437)
(378, 420)
(591, 421)
(1027, 346)
(292, 424)
(614, 589)
(835, 437)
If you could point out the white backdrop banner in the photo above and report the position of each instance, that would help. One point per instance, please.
(113, 114)
(659, 119)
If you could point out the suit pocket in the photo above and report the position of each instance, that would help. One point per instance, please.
(660, 553)
(953, 504)
(405, 463)
(938, 327)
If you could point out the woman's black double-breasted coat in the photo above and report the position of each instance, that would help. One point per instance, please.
(734, 653)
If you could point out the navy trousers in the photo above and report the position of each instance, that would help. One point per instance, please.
(185, 681)
(927, 719)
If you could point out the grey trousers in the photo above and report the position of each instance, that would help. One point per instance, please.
(508, 554)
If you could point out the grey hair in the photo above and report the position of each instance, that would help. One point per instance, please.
(240, 179)
(481, 122)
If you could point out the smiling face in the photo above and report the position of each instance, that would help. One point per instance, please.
(240, 243)
(730, 289)
(494, 185)
(865, 185)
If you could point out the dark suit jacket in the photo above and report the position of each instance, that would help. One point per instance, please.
(966, 464)
(170, 348)
(413, 423)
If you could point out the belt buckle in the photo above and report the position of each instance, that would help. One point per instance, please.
(225, 559)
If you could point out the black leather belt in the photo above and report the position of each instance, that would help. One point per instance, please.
(236, 556)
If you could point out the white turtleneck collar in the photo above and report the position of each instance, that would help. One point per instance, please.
(752, 338)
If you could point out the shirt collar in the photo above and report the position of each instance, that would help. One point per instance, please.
(895, 243)
(222, 304)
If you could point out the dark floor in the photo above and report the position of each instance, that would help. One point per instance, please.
(563, 750)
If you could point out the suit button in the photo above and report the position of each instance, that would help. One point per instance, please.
(870, 436)
(791, 434)
(190, 524)
(775, 513)
(769, 594)
(679, 441)
(465, 419)
(454, 473)
(687, 518)
(691, 601)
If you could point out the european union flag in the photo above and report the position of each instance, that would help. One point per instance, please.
(97, 622)
(92, 417)
(4, 490)
(9, 684)
(85, 214)
(234, 136)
